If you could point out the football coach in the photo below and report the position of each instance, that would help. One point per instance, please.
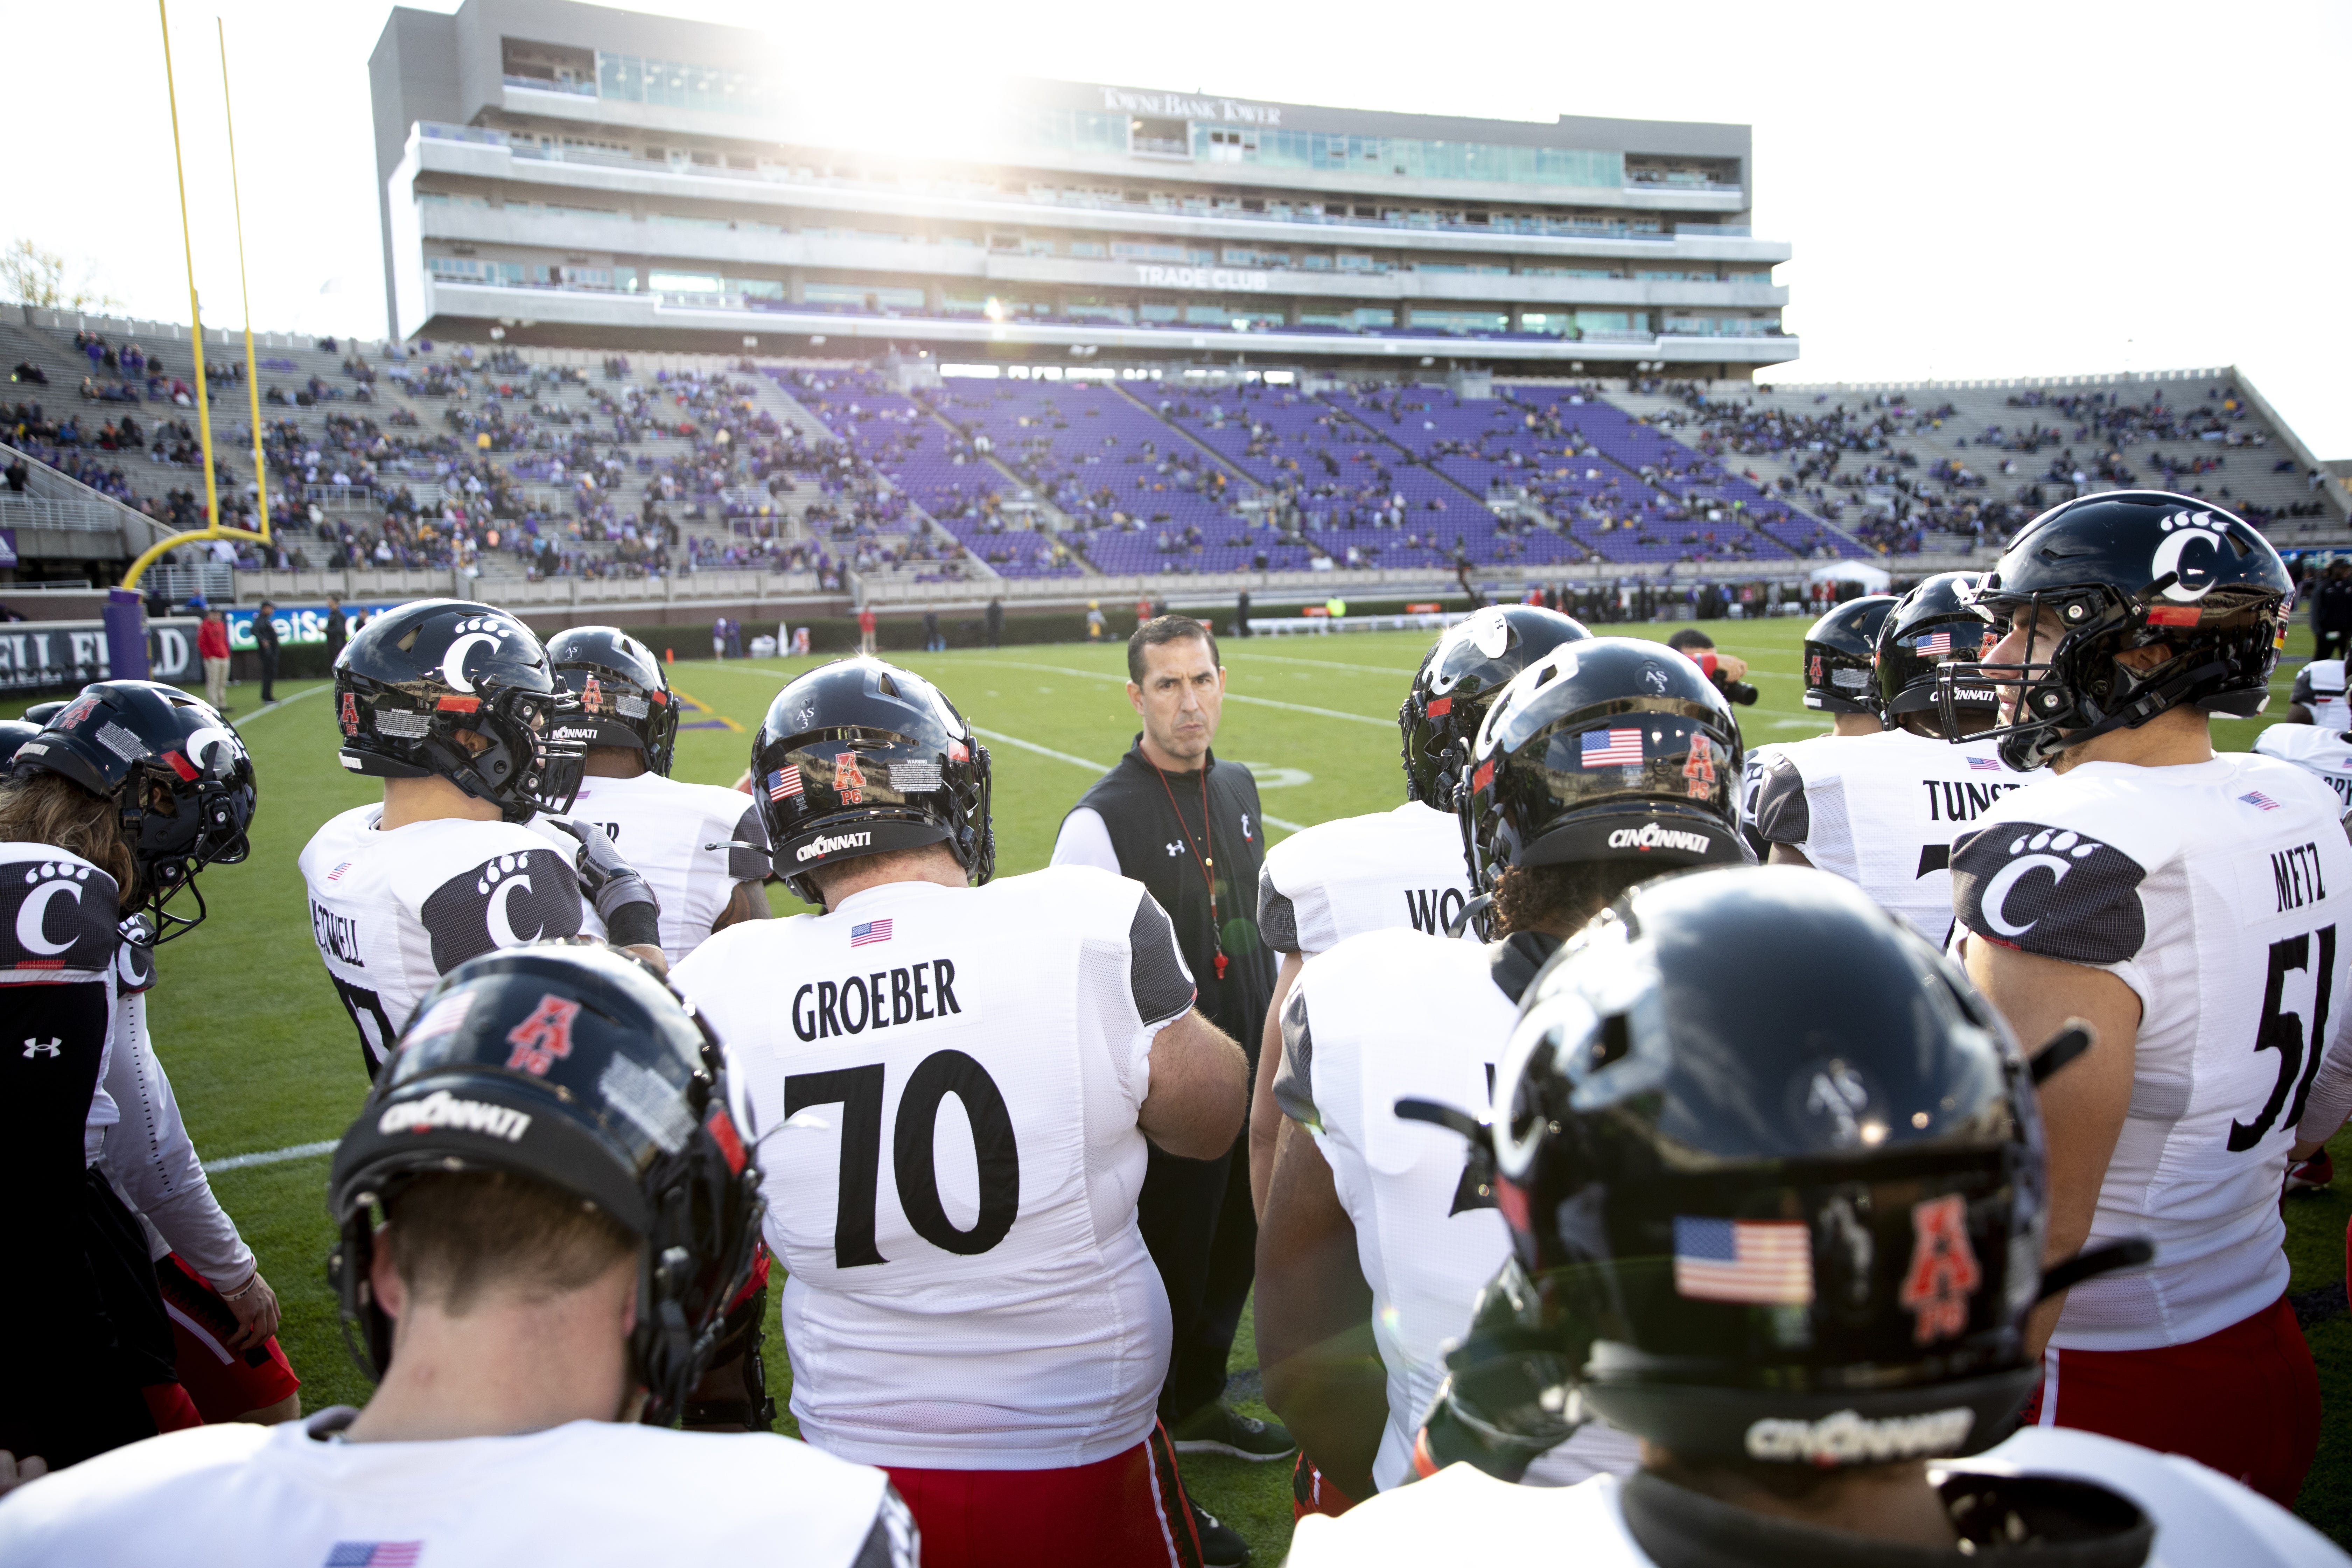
(1187, 827)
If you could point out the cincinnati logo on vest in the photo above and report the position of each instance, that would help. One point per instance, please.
(817, 848)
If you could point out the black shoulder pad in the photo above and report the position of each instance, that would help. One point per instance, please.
(1294, 1077)
(55, 915)
(2048, 890)
(1278, 918)
(749, 864)
(1512, 963)
(1781, 811)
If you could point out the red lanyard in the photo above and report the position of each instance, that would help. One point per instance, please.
(1216, 931)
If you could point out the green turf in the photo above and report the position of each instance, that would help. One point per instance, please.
(263, 1056)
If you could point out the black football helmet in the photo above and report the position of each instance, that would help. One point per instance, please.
(1604, 749)
(13, 733)
(1840, 650)
(1754, 1218)
(573, 1064)
(625, 697)
(1458, 677)
(2122, 570)
(858, 757)
(1930, 627)
(414, 677)
(182, 784)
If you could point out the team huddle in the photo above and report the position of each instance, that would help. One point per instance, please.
(1662, 1151)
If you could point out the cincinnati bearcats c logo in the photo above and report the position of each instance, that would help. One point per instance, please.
(452, 663)
(502, 930)
(2180, 531)
(203, 739)
(34, 914)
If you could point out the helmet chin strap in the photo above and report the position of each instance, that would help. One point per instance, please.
(2151, 701)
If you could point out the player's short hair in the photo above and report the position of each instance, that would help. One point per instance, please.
(458, 1237)
(1564, 894)
(1689, 637)
(51, 808)
(1166, 629)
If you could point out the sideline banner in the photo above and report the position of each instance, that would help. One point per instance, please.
(46, 654)
(301, 623)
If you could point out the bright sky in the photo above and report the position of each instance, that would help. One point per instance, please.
(1988, 189)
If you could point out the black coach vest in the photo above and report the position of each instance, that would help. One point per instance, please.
(1153, 848)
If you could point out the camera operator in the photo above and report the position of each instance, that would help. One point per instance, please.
(1728, 670)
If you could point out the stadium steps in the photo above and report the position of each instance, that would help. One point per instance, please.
(1770, 467)
(1586, 555)
(1249, 486)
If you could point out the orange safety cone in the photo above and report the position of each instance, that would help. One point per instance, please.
(669, 656)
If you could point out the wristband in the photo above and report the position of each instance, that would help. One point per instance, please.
(242, 1291)
(635, 925)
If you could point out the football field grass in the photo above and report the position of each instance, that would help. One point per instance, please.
(264, 1060)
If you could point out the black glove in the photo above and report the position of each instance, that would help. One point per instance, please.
(1509, 1392)
(616, 886)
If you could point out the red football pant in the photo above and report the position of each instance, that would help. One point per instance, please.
(224, 1384)
(1128, 1510)
(1312, 1492)
(2244, 1400)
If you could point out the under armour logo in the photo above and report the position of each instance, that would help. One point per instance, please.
(1174, 849)
(34, 1047)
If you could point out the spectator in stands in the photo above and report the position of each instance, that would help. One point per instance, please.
(2331, 610)
(211, 647)
(17, 474)
(265, 645)
(336, 629)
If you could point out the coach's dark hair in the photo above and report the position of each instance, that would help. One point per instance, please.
(1165, 629)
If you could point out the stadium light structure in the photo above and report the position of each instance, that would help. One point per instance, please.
(214, 528)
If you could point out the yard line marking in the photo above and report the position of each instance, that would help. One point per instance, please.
(1230, 696)
(1283, 823)
(272, 707)
(271, 1157)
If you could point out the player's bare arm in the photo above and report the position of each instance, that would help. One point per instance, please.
(1265, 1116)
(1199, 1087)
(1314, 1314)
(2083, 1108)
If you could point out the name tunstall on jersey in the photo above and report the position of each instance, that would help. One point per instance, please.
(1331, 881)
(2217, 891)
(393, 912)
(961, 1069)
(1397, 1015)
(2319, 687)
(693, 844)
(1882, 811)
(2325, 754)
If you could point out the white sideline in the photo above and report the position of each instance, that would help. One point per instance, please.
(269, 1157)
(273, 706)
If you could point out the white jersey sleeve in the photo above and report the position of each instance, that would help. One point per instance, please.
(1383, 1016)
(943, 1086)
(1085, 840)
(393, 912)
(2220, 893)
(1882, 811)
(290, 1495)
(149, 1159)
(2325, 754)
(693, 844)
(1392, 868)
(2319, 687)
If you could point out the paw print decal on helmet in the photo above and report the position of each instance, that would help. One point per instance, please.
(2181, 532)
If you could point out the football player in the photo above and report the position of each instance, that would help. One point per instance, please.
(1398, 867)
(1789, 1234)
(1841, 676)
(111, 809)
(453, 706)
(2324, 753)
(1881, 809)
(1605, 763)
(2191, 908)
(701, 848)
(567, 1205)
(970, 1304)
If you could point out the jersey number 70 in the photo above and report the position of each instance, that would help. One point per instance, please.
(858, 1091)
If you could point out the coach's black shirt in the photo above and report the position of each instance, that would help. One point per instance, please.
(1134, 801)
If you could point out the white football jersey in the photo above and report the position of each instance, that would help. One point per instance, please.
(1751, 776)
(393, 912)
(2319, 686)
(1325, 884)
(296, 1496)
(1462, 1514)
(1882, 811)
(2219, 892)
(1379, 1017)
(2325, 754)
(968, 1288)
(680, 838)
